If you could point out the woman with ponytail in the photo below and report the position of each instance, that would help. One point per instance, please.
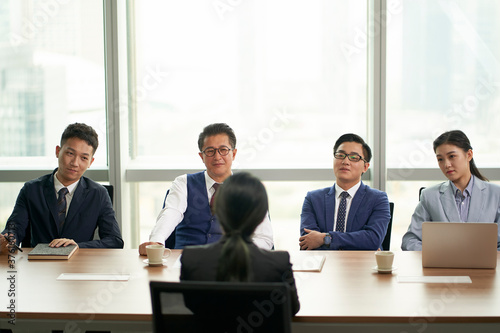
(465, 197)
(240, 205)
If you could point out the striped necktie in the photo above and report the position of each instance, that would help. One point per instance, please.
(61, 206)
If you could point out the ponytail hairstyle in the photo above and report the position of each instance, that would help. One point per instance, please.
(459, 139)
(240, 206)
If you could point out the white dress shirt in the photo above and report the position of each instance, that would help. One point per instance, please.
(176, 205)
(71, 190)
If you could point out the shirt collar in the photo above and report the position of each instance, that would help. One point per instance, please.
(58, 185)
(209, 181)
(467, 191)
(352, 191)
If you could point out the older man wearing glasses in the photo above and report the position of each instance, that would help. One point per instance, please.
(349, 215)
(187, 211)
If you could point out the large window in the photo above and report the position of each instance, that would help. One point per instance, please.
(51, 74)
(442, 74)
(273, 70)
(289, 76)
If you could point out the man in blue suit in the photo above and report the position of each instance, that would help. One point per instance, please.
(64, 207)
(349, 215)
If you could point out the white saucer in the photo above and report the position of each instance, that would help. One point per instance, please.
(384, 271)
(146, 261)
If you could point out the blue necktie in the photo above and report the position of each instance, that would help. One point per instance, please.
(340, 226)
(61, 206)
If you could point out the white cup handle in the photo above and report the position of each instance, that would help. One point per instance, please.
(169, 253)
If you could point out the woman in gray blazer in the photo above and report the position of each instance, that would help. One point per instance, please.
(465, 197)
(240, 206)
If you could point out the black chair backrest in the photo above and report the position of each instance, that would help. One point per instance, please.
(111, 191)
(195, 306)
(420, 192)
(386, 244)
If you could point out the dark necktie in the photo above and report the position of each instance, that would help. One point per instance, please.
(215, 186)
(61, 206)
(340, 226)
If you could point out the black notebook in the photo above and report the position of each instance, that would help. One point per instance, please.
(43, 251)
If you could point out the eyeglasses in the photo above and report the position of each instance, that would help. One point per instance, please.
(351, 157)
(210, 151)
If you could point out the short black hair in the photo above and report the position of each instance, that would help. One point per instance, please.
(350, 137)
(214, 129)
(83, 132)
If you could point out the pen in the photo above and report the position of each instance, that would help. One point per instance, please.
(15, 245)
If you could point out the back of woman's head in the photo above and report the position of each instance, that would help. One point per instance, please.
(459, 139)
(240, 206)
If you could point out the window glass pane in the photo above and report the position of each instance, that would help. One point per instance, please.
(8, 195)
(442, 74)
(51, 74)
(288, 75)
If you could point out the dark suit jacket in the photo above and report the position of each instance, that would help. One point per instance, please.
(366, 225)
(90, 208)
(199, 263)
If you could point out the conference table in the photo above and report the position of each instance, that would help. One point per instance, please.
(347, 294)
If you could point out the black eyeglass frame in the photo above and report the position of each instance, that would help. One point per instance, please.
(350, 157)
(216, 150)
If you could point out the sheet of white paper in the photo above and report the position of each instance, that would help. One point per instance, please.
(93, 277)
(304, 262)
(434, 279)
(178, 262)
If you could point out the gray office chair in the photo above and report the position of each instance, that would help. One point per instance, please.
(195, 306)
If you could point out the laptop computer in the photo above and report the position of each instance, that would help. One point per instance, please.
(459, 245)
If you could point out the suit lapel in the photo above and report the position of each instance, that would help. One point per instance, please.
(51, 199)
(330, 209)
(355, 203)
(448, 202)
(477, 201)
(77, 200)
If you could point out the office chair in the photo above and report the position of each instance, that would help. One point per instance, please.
(26, 241)
(386, 244)
(208, 306)
(110, 191)
(420, 192)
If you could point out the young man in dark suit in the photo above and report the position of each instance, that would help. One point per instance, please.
(63, 207)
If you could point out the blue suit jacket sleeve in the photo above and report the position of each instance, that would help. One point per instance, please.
(367, 221)
(90, 208)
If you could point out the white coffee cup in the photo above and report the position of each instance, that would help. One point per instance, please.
(156, 253)
(384, 259)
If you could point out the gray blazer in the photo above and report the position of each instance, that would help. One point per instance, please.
(437, 203)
